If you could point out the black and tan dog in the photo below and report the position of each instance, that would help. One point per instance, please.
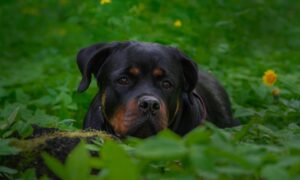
(147, 87)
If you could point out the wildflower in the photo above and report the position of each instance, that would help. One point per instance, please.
(269, 77)
(177, 23)
(102, 2)
(275, 92)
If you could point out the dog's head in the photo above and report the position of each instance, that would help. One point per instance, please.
(140, 84)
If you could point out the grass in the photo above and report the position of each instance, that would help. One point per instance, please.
(236, 40)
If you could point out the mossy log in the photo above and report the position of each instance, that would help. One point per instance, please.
(57, 144)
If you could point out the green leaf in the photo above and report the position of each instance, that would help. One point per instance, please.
(274, 172)
(3, 92)
(29, 174)
(6, 149)
(219, 135)
(167, 133)
(63, 98)
(24, 129)
(43, 101)
(10, 120)
(7, 170)
(197, 136)
(243, 131)
(233, 170)
(21, 96)
(236, 157)
(8, 133)
(160, 148)
(55, 166)
(77, 164)
(261, 91)
(96, 163)
(244, 112)
(43, 120)
(117, 163)
(201, 160)
(92, 147)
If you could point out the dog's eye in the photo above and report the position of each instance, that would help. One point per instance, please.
(167, 84)
(123, 81)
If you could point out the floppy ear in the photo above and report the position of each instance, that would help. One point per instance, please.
(190, 72)
(90, 59)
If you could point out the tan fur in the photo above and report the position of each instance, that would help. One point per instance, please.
(117, 121)
(157, 72)
(134, 71)
(163, 117)
(125, 117)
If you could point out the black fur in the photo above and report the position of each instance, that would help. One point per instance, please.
(197, 92)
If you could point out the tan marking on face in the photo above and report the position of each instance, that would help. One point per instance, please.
(117, 121)
(157, 72)
(163, 117)
(134, 71)
(124, 117)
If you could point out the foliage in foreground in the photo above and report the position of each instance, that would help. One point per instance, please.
(236, 41)
(251, 152)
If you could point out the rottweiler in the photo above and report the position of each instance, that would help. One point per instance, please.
(147, 87)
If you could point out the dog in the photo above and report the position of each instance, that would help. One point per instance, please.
(147, 87)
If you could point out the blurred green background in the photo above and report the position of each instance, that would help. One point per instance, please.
(236, 40)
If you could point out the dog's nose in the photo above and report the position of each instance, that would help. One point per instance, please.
(149, 103)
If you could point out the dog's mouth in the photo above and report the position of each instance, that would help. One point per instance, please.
(141, 126)
(144, 127)
(140, 118)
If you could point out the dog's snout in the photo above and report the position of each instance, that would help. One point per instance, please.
(149, 104)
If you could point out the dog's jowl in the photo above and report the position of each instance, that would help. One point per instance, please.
(147, 87)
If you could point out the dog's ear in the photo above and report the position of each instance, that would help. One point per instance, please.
(190, 72)
(90, 60)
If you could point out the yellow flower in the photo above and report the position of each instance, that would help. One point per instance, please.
(269, 77)
(177, 23)
(275, 92)
(102, 2)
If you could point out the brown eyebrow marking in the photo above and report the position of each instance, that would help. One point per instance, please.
(134, 71)
(158, 72)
